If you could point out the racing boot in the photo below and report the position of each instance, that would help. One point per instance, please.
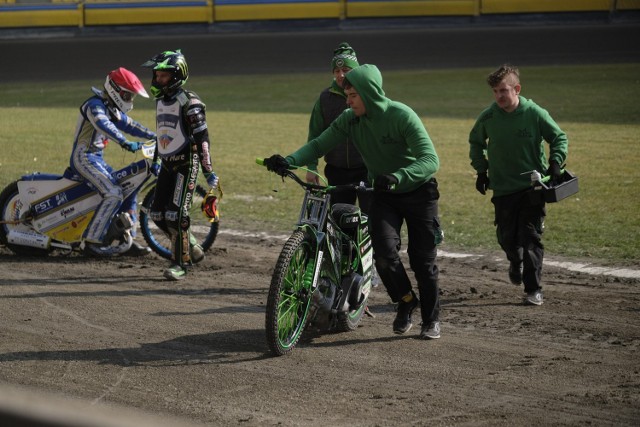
(137, 250)
(196, 251)
(119, 225)
(175, 272)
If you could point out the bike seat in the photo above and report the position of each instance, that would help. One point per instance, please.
(345, 215)
(37, 176)
(70, 174)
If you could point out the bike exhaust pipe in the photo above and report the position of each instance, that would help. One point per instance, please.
(324, 302)
(28, 238)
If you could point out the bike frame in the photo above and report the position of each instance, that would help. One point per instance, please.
(330, 261)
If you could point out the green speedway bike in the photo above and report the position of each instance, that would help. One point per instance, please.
(322, 278)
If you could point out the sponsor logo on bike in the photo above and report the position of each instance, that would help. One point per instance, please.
(121, 174)
(365, 247)
(61, 199)
(67, 211)
(317, 269)
(42, 206)
(351, 219)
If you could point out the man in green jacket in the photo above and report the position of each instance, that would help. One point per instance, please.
(344, 164)
(402, 162)
(506, 144)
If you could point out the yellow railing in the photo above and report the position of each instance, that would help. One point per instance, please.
(61, 13)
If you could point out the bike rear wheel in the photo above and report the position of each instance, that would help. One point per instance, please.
(290, 294)
(204, 231)
(12, 211)
(349, 321)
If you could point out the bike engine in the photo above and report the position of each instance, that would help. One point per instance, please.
(324, 295)
(320, 316)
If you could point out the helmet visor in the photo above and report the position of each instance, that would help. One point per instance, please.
(127, 96)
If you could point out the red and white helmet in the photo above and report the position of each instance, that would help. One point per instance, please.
(122, 86)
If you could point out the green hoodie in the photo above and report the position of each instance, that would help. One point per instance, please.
(508, 145)
(390, 136)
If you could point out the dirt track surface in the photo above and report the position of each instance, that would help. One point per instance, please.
(115, 332)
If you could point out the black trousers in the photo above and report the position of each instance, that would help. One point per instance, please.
(419, 210)
(519, 219)
(338, 176)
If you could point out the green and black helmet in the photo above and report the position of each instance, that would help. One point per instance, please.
(174, 62)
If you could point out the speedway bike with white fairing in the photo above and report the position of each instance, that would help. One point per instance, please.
(322, 278)
(43, 213)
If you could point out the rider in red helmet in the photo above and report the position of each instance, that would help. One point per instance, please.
(102, 119)
(122, 86)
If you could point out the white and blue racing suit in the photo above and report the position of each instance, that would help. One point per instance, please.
(184, 147)
(97, 124)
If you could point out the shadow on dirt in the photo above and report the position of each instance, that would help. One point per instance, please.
(185, 350)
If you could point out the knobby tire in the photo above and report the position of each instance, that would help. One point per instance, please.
(349, 321)
(289, 295)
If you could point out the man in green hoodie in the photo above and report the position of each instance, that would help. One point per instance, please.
(402, 162)
(506, 144)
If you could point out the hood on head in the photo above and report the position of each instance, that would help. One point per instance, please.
(367, 80)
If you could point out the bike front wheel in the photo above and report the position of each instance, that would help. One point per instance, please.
(204, 231)
(290, 294)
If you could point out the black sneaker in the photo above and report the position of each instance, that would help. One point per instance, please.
(402, 322)
(137, 250)
(430, 331)
(515, 273)
(533, 298)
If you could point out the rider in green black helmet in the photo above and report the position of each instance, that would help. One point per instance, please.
(174, 62)
(183, 145)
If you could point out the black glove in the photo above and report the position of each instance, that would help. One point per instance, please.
(554, 171)
(482, 183)
(384, 182)
(277, 164)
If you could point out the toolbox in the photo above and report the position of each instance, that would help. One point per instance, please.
(567, 186)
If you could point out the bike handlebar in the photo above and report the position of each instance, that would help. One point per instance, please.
(325, 188)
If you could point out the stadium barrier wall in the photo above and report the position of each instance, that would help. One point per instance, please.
(82, 13)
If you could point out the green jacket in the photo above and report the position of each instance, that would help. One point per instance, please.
(329, 105)
(507, 145)
(390, 136)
